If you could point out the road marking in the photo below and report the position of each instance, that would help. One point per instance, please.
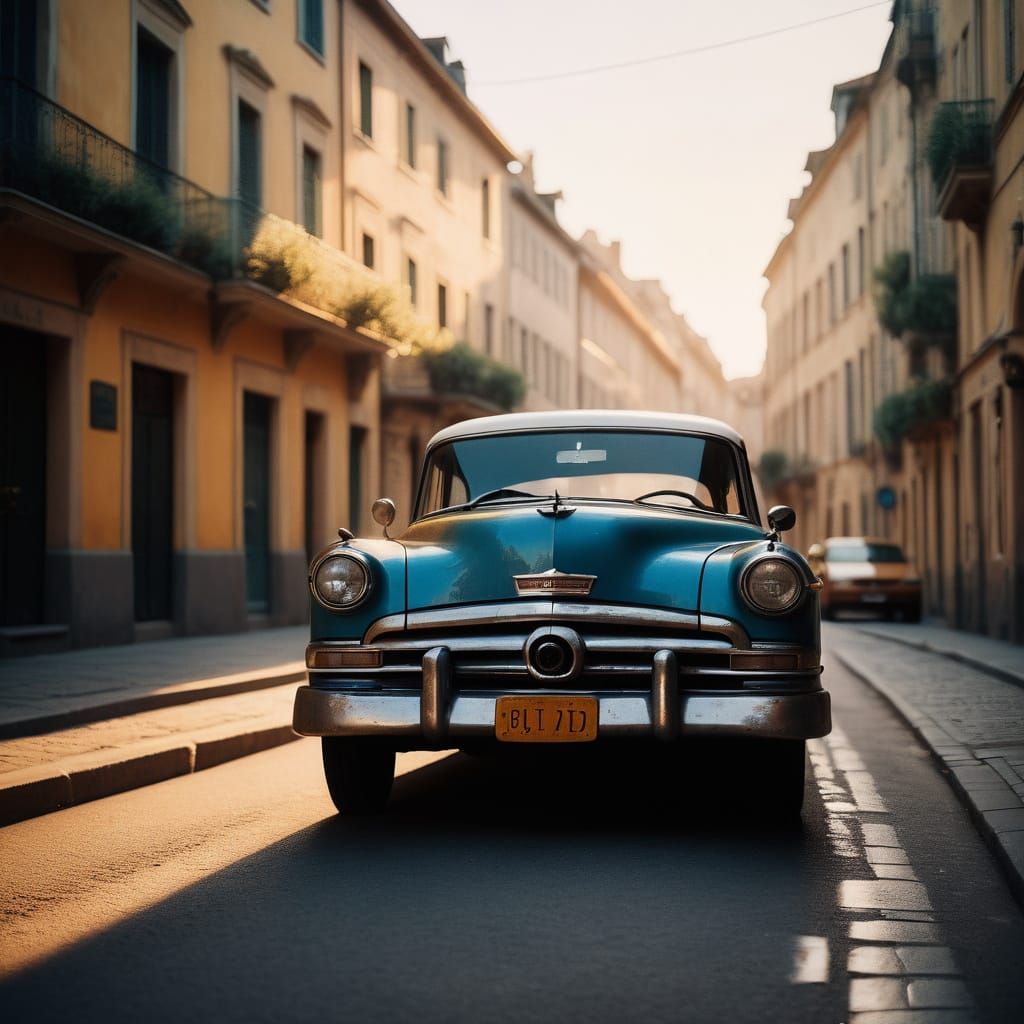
(897, 962)
(810, 960)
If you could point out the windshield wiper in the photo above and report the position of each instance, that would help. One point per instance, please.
(497, 494)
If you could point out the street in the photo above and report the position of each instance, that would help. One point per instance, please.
(237, 894)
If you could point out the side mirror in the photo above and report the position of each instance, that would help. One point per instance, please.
(383, 512)
(781, 518)
(816, 552)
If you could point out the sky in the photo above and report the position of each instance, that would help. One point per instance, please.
(689, 162)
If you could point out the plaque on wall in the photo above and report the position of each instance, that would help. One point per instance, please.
(102, 405)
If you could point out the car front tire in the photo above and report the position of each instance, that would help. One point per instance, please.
(359, 773)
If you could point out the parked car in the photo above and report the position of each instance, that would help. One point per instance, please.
(567, 577)
(866, 573)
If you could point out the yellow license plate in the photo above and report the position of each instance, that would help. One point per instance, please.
(546, 719)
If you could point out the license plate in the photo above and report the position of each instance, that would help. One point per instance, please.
(873, 598)
(546, 719)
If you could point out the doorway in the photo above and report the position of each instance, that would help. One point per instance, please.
(256, 501)
(152, 492)
(315, 472)
(22, 477)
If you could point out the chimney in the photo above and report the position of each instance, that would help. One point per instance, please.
(438, 47)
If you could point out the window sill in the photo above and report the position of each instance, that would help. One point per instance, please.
(366, 140)
(408, 170)
(320, 58)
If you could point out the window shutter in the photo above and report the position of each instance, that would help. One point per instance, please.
(313, 24)
(311, 190)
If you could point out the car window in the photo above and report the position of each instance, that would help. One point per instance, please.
(601, 465)
(859, 552)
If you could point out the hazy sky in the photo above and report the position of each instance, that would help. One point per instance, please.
(690, 162)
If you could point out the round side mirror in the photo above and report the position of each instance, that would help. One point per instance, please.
(781, 518)
(383, 512)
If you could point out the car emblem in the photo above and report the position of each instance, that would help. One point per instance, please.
(554, 582)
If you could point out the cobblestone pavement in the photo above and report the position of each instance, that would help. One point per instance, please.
(972, 721)
(994, 657)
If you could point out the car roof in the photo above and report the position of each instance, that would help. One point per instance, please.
(591, 419)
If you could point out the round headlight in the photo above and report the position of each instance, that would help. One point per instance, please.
(772, 585)
(340, 581)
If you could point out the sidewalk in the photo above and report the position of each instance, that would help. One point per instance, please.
(79, 725)
(953, 690)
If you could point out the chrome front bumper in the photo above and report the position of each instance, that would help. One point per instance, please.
(436, 715)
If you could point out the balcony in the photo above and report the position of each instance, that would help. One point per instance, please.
(914, 46)
(960, 156)
(458, 381)
(916, 414)
(118, 204)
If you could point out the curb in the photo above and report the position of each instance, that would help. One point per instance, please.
(974, 784)
(32, 792)
(946, 652)
(185, 693)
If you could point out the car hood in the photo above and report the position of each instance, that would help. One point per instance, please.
(640, 556)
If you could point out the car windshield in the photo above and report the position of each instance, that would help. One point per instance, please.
(863, 552)
(682, 471)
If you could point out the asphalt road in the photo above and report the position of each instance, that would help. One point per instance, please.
(600, 889)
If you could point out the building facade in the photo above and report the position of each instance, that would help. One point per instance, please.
(913, 410)
(183, 416)
(625, 361)
(542, 333)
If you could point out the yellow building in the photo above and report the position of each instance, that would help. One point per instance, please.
(970, 105)
(937, 138)
(185, 410)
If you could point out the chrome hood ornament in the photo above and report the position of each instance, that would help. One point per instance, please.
(554, 582)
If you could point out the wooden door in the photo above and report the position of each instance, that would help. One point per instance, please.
(22, 476)
(152, 491)
(256, 490)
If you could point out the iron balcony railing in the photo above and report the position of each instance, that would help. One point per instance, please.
(49, 154)
(960, 137)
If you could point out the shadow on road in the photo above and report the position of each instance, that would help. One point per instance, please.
(491, 890)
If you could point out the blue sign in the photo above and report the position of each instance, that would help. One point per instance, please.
(886, 498)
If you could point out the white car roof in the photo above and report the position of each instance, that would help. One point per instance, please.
(590, 419)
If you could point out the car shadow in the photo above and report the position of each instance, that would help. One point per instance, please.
(505, 888)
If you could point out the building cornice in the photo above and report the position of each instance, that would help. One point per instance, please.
(401, 33)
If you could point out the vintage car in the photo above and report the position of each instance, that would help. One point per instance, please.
(868, 574)
(567, 577)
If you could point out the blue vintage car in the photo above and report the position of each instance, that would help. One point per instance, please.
(567, 577)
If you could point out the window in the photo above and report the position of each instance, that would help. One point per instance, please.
(365, 100)
(807, 320)
(832, 313)
(153, 99)
(410, 279)
(846, 276)
(485, 207)
(250, 157)
(369, 256)
(409, 136)
(489, 329)
(524, 345)
(851, 407)
(311, 191)
(442, 167)
(1009, 39)
(311, 24)
(861, 256)
(442, 305)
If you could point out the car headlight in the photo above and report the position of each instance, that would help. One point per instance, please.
(771, 585)
(339, 581)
